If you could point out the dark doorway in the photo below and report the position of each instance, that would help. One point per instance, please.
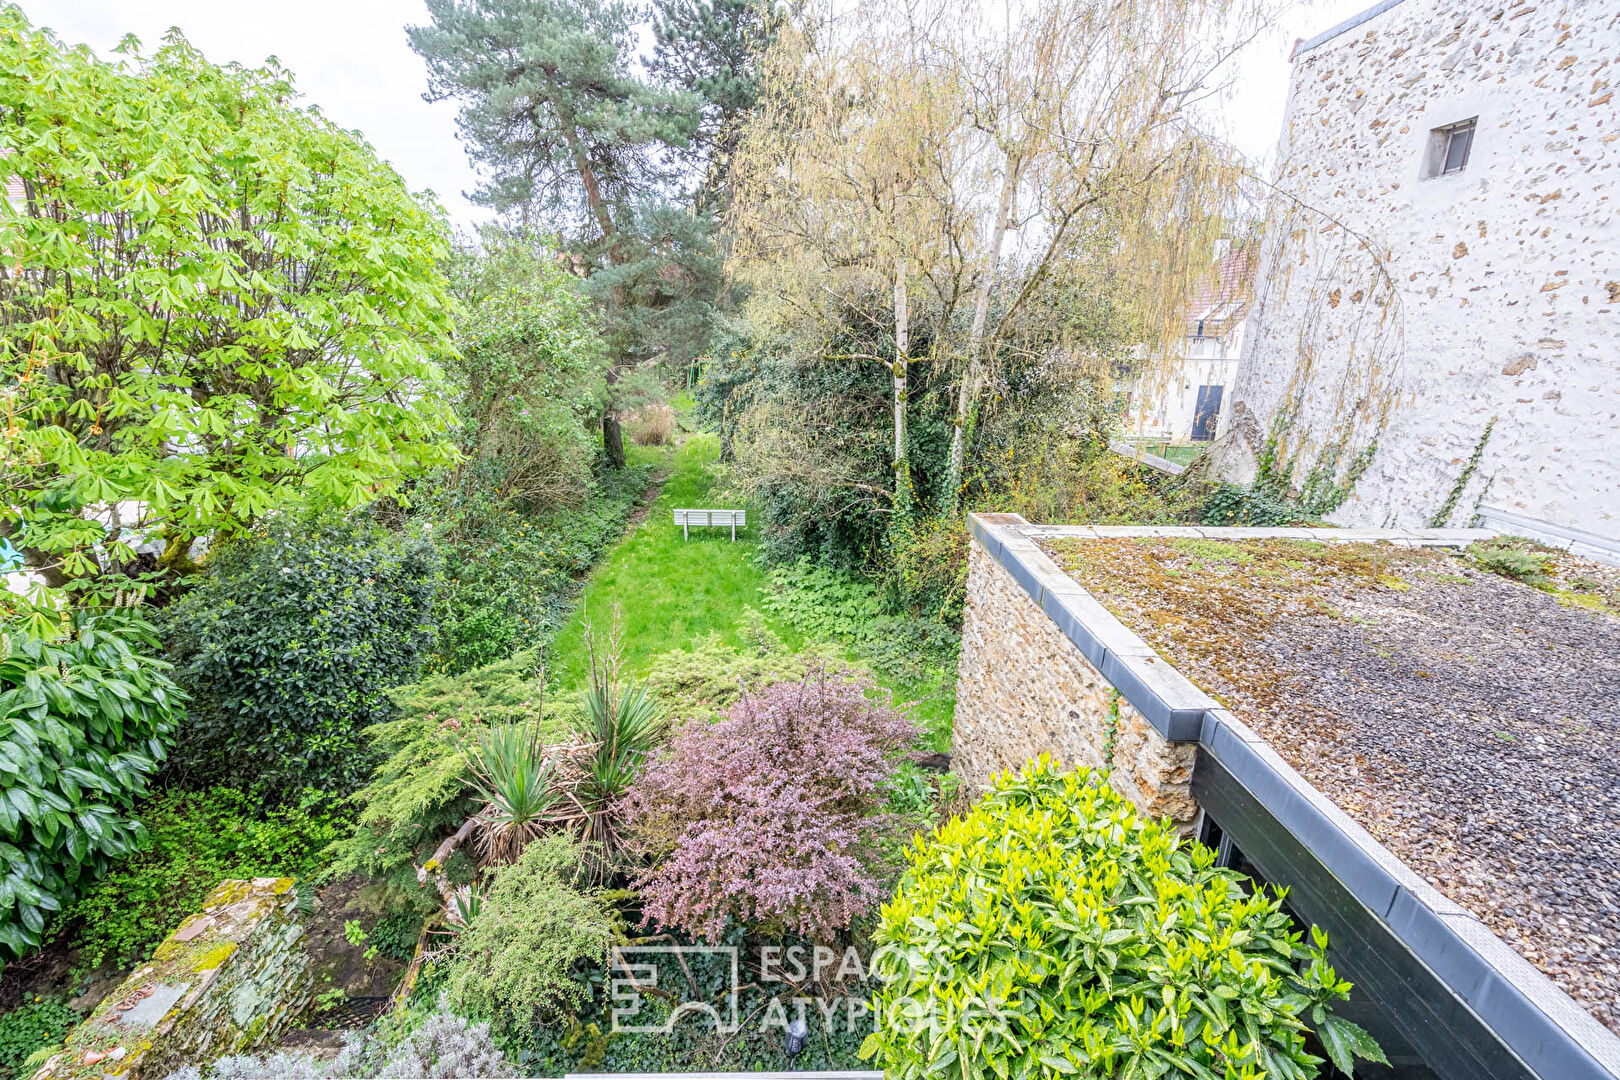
(1206, 413)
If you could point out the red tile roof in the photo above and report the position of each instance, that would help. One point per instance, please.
(1222, 298)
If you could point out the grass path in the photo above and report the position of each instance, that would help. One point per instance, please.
(670, 592)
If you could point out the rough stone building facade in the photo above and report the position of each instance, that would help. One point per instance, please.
(1437, 309)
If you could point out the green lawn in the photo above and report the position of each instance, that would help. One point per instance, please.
(670, 592)
(1180, 453)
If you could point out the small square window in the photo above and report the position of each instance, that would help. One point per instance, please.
(1449, 148)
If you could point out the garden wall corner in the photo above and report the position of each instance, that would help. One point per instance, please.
(1024, 688)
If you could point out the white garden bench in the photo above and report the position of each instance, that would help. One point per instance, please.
(687, 518)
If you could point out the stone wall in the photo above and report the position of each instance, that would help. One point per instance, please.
(1023, 688)
(229, 979)
(1499, 291)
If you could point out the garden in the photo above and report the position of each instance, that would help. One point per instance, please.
(340, 549)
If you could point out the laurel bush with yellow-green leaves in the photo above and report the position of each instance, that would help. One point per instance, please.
(1054, 932)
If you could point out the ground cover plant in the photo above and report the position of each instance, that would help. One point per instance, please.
(85, 719)
(915, 657)
(1053, 931)
(588, 1040)
(195, 840)
(30, 1027)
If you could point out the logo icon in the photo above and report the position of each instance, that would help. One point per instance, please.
(634, 970)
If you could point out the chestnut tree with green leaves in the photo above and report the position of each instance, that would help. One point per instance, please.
(213, 303)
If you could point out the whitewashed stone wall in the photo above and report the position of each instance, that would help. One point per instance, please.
(1023, 689)
(1506, 276)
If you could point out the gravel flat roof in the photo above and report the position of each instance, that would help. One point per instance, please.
(1470, 722)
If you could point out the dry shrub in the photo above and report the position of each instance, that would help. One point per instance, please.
(652, 425)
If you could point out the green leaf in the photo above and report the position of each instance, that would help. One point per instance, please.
(1345, 1041)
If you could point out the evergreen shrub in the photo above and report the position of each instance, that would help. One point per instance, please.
(289, 646)
(84, 720)
(1054, 932)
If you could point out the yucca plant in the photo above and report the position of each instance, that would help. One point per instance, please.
(621, 725)
(508, 768)
(464, 907)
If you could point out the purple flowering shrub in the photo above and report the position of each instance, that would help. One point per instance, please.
(774, 815)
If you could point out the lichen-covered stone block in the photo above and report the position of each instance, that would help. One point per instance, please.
(1023, 689)
(228, 980)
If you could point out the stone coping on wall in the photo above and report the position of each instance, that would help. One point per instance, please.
(1546, 1028)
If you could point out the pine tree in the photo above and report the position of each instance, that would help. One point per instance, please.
(552, 111)
(710, 47)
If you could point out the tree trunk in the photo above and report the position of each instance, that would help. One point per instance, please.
(967, 400)
(902, 345)
(613, 438)
(587, 177)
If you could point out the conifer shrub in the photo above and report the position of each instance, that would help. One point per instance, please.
(1056, 933)
(514, 962)
(704, 681)
(418, 793)
(774, 816)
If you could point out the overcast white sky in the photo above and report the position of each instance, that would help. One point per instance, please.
(350, 58)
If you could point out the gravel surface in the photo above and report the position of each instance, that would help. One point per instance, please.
(1469, 722)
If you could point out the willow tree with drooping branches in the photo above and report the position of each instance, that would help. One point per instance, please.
(1035, 187)
(844, 203)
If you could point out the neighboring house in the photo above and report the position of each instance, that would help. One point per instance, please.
(1438, 299)
(1184, 402)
